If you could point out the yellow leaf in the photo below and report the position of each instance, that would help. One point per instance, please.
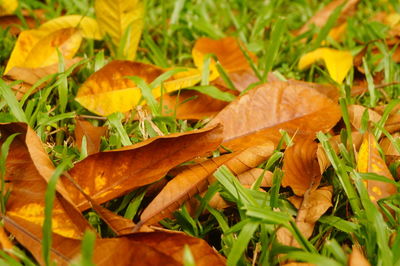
(370, 161)
(337, 32)
(108, 90)
(36, 48)
(337, 62)
(8, 7)
(88, 26)
(117, 17)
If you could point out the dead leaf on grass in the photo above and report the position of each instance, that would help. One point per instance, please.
(92, 134)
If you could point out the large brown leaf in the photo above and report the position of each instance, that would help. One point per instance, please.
(195, 179)
(259, 115)
(28, 171)
(300, 167)
(157, 248)
(107, 175)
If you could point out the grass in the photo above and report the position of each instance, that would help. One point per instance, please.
(245, 233)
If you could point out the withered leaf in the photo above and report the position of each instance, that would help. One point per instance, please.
(356, 112)
(300, 166)
(106, 175)
(357, 257)
(259, 115)
(92, 134)
(195, 179)
(370, 161)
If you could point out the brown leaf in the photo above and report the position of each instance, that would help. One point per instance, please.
(5, 242)
(300, 166)
(92, 134)
(190, 104)
(157, 248)
(356, 112)
(106, 175)
(370, 161)
(259, 115)
(321, 17)
(312, 207)
(28, 171)
(196, 178)
(357, 257)
(13, 22)
(227, 50)
(387, 146)
(241, 79)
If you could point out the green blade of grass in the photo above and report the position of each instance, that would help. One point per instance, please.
(12, 102)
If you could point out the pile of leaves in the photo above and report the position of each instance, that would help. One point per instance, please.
(200, 132)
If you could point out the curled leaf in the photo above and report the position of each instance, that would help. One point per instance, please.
(92, 134)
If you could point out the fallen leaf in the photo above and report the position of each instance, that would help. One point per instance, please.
(300, 166)
(13, 22)
(227, 50)
(35, 48)
(88, 26)
(356, 112)
(370, 161)
(92, 134)
(5, 242)
(8, 7)
(357, 257)
(30, 76)
(258, 116)
(387, 146)
(314, 204)
(108, 90)
(321, 17)
(195, 179)
(137, 165)
(154, 248)
(241, 79)
(337, 62)
(121, 18)
(190, 104)
(28, 171)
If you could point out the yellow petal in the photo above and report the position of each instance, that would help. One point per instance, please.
(36, 48)
(115, 17)
(337, 62)
(88, 26)
(8, 7)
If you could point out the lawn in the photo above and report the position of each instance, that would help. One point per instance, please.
(198, 132)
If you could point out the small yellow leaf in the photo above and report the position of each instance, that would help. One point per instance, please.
(8, 7)
(337, 62)
(118, 18)
(36, 48)
(88, 26)
(337, 32)
(370, 161)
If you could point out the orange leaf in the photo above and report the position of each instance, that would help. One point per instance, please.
(311, 208)
(300, 167)
(196, 178)
(107, 175)
(259, 115)
(357, 257)
(356, 112)
(92, 134)
(370, 161)
(28, 170)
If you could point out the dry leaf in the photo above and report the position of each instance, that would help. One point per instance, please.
(88, 26)
(108, 90)
(356, 112)
(155, 248)
(321, 17)
(118, 18)
(5, 242)
(35, 48)
(8, 7)
(300, 166)
(137, 165)
(387, 146)
(370, 161)
(28, 171)
(357, 257)
(92, 134)
(13, 22)
(259, 115)
(311, 208)
(337, 62)
(227, 50)
(195, 179)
